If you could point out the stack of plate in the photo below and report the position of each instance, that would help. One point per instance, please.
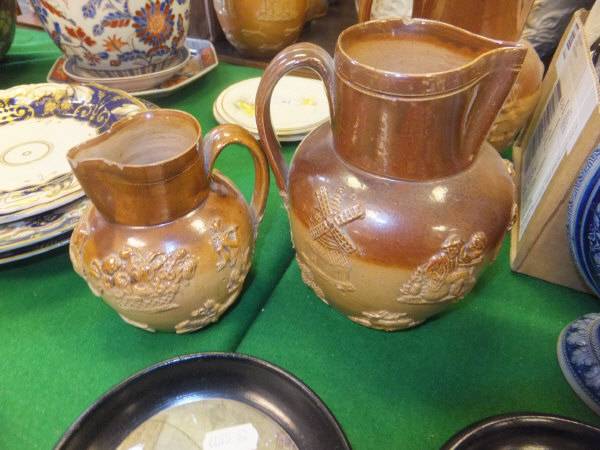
(298, 106)
(40, 198)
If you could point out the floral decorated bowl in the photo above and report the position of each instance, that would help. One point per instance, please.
(121, 37)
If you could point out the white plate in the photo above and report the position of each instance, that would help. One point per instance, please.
(298, 105)
(39, 123)
(282, 138)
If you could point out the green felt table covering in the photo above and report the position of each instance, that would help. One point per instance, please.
(492, 353)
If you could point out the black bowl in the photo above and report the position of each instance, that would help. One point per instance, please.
(254, 382)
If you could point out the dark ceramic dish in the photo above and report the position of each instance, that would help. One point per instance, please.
(526, 431)
(259, 384)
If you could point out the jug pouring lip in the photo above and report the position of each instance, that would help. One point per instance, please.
(109, 150)
(457, 58)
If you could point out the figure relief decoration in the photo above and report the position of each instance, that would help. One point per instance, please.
(277, 10)
(144, 281)
(447, 275)
(225, 242)
(227, 245)
(329, 246)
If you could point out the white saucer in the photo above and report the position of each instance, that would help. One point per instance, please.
(282, 138)
(298, 105)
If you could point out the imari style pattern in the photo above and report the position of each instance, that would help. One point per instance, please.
(116, 33)
(96, 106)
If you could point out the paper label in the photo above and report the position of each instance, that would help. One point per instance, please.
(240, 437)
(568, 108)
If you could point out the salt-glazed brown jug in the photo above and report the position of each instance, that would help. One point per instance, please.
(503, 20)
(167, 241)
(398, 205)
(261, 28)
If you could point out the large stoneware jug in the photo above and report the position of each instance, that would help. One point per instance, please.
(167, 241)
(398, 205)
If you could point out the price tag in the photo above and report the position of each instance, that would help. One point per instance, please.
(239, 437)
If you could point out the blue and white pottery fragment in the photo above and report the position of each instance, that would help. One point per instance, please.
(578, 351)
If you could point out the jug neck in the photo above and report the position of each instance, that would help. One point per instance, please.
(146, 170)
(415, 99)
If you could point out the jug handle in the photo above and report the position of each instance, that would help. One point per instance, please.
(220, 137)
(305, 55)
(364, 10)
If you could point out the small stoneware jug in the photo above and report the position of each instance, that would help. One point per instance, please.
(167, 240)
(398, 205)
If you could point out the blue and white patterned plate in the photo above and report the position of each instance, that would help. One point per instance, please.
(39, 123)
(578, 350)
(583, 222)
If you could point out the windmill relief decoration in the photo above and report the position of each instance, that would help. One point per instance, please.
(330, 245)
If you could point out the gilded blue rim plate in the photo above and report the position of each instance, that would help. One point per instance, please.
(39, 123)
(37, 248)
(41, 227)
(583, 222)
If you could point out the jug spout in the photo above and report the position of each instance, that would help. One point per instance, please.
(146, 170)
(427, 93)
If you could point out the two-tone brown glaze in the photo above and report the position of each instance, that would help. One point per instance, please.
(261, 28)
(167, 241)
(501, 20)
(398, 205)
